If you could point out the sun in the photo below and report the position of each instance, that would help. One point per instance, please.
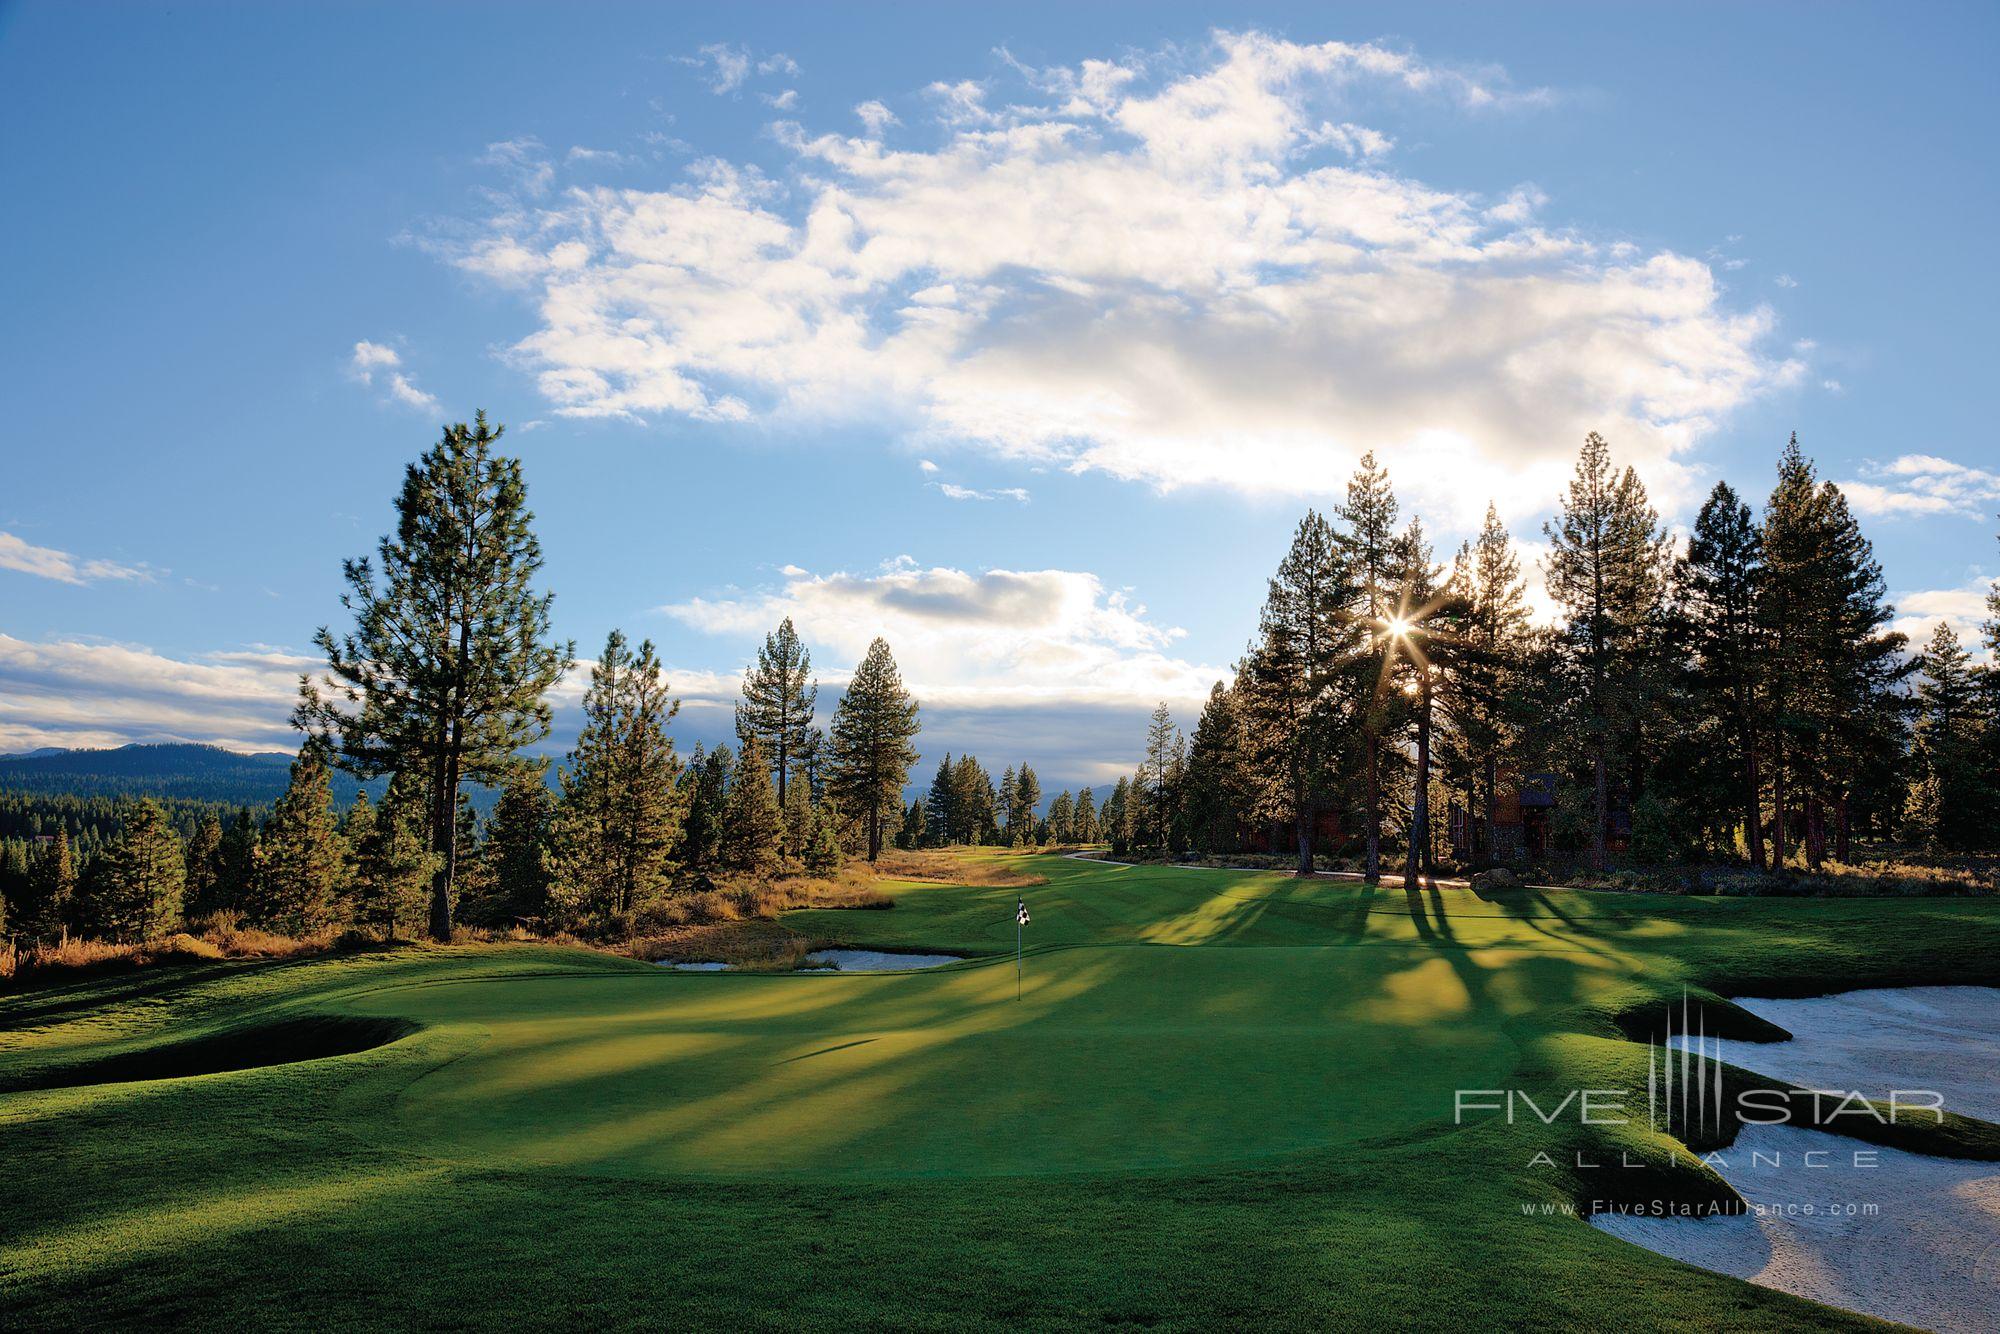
(1400, 626)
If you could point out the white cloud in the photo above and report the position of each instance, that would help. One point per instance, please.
(372, 359)
(876, 117)
(1923, 484)
(1161, 277)
(523, 159)
(926, 467)
(952, 491)
(77, 692)
(25, 557)
(728, 66)
(784, 101)
(974, 640)
(1785, 280)
(1963, 608)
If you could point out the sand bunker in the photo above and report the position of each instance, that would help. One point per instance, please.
(841, 961)
(872, 961)
(1902, 1236)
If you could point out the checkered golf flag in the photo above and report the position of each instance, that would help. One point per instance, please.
(1021, 911)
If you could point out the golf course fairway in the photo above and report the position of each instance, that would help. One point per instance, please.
(1221, 1097)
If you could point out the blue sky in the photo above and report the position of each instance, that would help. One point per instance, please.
(1020, 336)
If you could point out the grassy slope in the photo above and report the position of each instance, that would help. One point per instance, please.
(1222, 1098)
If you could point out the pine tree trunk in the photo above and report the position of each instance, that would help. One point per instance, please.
(1492, 806)
(1843, 846)
(444, 842)
(1373, 866)
(1815, 831)
(1601, 825)
(1424, 859)
(1780, 843)
(1753, 807)
(1304, 831)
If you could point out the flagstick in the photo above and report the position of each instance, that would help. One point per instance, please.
(1017, 954)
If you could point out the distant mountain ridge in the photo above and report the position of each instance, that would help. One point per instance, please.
(172, 769)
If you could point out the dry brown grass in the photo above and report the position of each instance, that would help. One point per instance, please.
(218, 937)
(758, 945)
(1002, 869)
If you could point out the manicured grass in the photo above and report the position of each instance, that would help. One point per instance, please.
(1222, 1098)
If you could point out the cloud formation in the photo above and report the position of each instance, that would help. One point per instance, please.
(953, 491)
(1923, 484)
(82, 693)
(1181, 275)
(971, 640)
(25, 557)
(372, 359)
(1963, 608)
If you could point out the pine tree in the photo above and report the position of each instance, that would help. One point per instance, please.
(517, 846)
(1717, 590)
(1027, 801)
(753, 826)
(1830, 663)
(779, 696)
(913, 832)
(392, 859)
(355, 830)
(1299, 681)
(975, 803)
(704, 796)
(50, 903)
(619, 819)
(1062, 818)
(823, 853)
(1607, 566)
(1010, 828)
(1116, 818)
(871, 750)
(303, 853)
(798, 823)
(138, 882)
(1220, 784)
(1156, 798)
(204, 866)
(236, 865)
(1087, 829)
(447, 670)
(1485, 698)
(1370, 546)
(941, 813)
(1427, 643)
(1956, 797)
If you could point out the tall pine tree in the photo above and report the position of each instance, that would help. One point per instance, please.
(871, 750)
(447, 670)
(303, 853)
(779, 696)
(1607, 566)
(619, 819)
(137, 884)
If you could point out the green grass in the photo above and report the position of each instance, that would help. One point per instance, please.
(1222, 1098)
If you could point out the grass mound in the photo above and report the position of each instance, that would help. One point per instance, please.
(281, 1042)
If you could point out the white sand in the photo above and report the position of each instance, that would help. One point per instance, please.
(1942, 1038)
(1929, 1253)
(841, 961)
(872, 961)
